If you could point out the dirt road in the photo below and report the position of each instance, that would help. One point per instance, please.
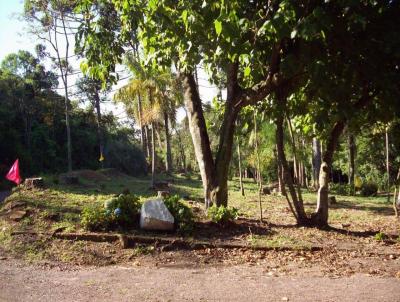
(22, 282)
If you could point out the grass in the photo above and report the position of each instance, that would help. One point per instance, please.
(59, 206)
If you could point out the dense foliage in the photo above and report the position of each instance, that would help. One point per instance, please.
(182, 213)
(120, 212)
(33, 129)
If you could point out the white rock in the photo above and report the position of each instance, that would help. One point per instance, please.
(154, 215)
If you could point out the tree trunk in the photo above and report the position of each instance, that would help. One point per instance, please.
(148, 142)
(181, 150)
(352, 148)
(320, 217)
(280, 173)
(214, 174)
(258, 164)
(158, 136)
(387, 163)
(396, 195)
(224, 153)
(316, 161)
(100, 137)
(287, 179)
(153, 155)
(198, 131)
(67, 124)
(168, 159)
(240, 167)
(296, 163)
(141, 126)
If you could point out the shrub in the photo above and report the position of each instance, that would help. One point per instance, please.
(124, 209)
(94, 218)
(222, 214)
(380, 236)
(369, 189)
(121, 211)
(341, 189)
(182, 214)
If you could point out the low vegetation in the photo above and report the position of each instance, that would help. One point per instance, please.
(97, 204)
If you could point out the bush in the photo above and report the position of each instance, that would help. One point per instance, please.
(121, 211)
(183, 214)
(369, 189)
(124, 209)
(341, 189)
(94, 218)
(222, 214)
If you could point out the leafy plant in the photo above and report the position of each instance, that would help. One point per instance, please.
(121, 211)
(222, 214)
(182, 213)
(341, 189)
(94, 218)
(124, 209)
(380, 236)
(369, 189)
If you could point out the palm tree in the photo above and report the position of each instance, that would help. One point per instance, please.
(151, 97)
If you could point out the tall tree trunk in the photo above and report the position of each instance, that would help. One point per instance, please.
(153, 155)
(281, 185)
(158, 136)
(240, 166)
(258, 164)
(320, 217)
(227, 130)
(214, 174)
(181, 150)
(69, 144)
(168, 160)
(316, 161)
(352, 147)
(387, 163)
(153, 143)
(100, 136)
(198, 131)
(396, 195)
(141, 126)
(287, 179)
(296, 163)
(148, 142)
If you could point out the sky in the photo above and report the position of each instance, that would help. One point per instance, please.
(14, 36)
(11, 29)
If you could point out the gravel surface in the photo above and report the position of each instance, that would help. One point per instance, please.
(56, 282)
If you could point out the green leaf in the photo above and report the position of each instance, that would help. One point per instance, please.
(218, 27)
(247, 71)
(185, 18)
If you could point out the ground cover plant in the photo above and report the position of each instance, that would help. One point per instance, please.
(357, 224)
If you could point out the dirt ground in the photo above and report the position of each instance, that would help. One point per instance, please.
(60, 282)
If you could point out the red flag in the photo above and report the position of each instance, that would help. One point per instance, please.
(13, 174)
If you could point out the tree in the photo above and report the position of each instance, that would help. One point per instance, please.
(239, 42)
(51, 22)
(31, 74)
(255, 46)
(90, 89)
(352, 151)
(348, 86)
(152, 98)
